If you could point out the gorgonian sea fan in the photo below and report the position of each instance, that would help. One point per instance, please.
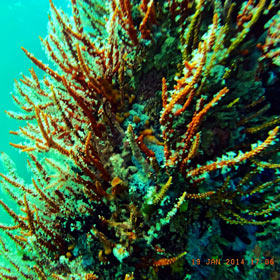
(152, 142)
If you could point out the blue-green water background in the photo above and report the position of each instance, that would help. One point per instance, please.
(21, 24)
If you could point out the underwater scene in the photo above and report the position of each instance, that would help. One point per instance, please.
(140, 140)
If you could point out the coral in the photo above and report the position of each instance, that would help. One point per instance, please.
(152, 142)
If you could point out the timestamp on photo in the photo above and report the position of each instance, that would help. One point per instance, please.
(233, 261)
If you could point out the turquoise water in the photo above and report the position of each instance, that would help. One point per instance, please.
(21, 24)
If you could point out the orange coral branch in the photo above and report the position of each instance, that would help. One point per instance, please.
(238, 159)
(42, 66)
(143, 147)
(50, 202)
(164, 93)
(149, 16)
(17, 185)
(14, 215)
(167, 261)
(40, 273)
(197, 118)
(95, 160)
(127, 23)
(83, 106)
(18, 146)
(77, 18)
(51, 143)
(29, 216)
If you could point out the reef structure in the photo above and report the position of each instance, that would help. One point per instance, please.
(152, 135)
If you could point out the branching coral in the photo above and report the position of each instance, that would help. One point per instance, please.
(118, 187)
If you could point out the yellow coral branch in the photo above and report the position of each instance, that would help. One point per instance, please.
(159, 196)
(241, 36)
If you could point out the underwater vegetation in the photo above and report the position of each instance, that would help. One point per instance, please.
(153, 144)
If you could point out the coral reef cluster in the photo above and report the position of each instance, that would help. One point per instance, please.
(152, 142)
